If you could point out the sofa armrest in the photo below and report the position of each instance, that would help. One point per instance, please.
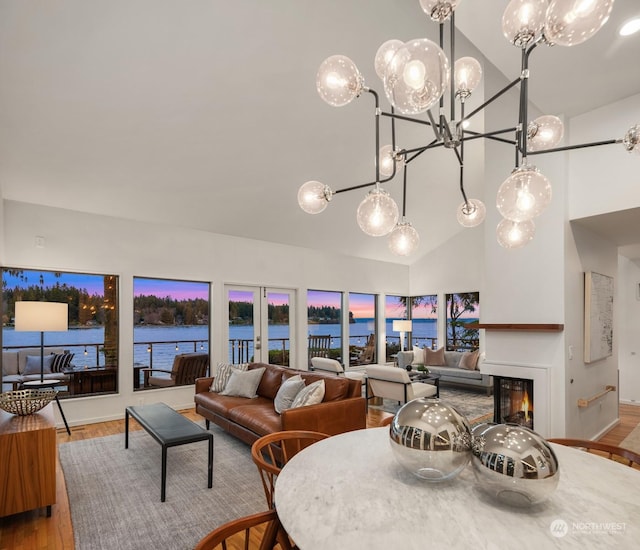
(203, 384)
(331, 417)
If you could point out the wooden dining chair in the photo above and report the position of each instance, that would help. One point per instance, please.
(271, 452)
(255, 531)
(619, 454)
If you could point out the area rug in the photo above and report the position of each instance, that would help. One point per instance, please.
(114, 493)
(477, 406)
(632, 441)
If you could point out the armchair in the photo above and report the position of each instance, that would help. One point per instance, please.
(394, 383)
(331, 365)
(186, 368)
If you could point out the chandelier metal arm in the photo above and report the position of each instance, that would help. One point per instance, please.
(490, 135)
(492, 99)
(452, 82)
(577, 146)
(404, 192)
(419, 150)
(524, 100)
(377, 115)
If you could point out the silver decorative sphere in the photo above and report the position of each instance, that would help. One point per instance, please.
(431, 439)
(513, 464)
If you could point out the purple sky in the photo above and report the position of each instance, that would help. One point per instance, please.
(178, 290)
(93, 284)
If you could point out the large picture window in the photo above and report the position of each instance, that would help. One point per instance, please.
(424, 314)
(324, 319)
(362, 328)
(462, 308)
(395, 308)
(87, 361)
(170, 319)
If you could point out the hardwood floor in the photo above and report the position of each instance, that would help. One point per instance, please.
(34, 531)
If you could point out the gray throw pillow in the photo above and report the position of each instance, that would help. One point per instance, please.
(289, 388)
(33, 364)
(310, 395)
(243, 383)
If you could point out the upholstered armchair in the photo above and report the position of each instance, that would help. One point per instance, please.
(186, 368)
(394, 383)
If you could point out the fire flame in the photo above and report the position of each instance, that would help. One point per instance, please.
(525, 405)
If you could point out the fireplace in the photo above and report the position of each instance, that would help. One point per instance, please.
(513, 401)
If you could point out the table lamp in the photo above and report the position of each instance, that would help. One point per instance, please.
(402, 326)
(41, 317)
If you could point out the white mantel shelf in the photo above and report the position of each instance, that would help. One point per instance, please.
(540, 327)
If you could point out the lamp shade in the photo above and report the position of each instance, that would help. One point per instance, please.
(41, 316)
(402, 325)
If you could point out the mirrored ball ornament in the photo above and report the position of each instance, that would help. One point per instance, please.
(431, 439)
(513, 464)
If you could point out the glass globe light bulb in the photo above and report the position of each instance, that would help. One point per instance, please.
(524, 194)
(378, 213)
(313, 197)
(523, 21)
(545, 132)
(417, 76)
(439, 10)
(471, 213)
(403, 239)
(388, 160)
(631, 140)
(384, 54)
(338, 80)
(467, 72)
(571, 22)
(512, 234)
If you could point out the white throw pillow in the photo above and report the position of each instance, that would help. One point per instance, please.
(418, 356)
(243, 383)
(223, 373)
(310, 395)
(287, 393)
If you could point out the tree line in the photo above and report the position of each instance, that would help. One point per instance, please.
(153, 310)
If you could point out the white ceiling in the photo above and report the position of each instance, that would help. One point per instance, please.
(204, 114)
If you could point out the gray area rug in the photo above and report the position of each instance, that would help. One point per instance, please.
(114, 493)
(632, 441)
(475, 405)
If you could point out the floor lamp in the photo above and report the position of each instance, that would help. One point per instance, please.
(402, 326)
(41, 317)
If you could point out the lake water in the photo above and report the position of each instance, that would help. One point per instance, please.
(79, 339)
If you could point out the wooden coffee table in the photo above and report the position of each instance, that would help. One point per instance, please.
(170, 429)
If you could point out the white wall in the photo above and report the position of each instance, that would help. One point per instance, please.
(76, 241)
(628, 294)
(604, 179)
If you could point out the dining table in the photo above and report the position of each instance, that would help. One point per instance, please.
(350, 492)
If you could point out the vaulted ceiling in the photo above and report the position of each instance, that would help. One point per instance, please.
(204, 114)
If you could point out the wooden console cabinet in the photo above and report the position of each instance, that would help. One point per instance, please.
(28, 454)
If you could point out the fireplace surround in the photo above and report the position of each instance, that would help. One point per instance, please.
(513, 401)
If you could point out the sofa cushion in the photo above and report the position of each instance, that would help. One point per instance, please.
(434, 358)
(418, 356)
(23, 353)
(243, 383)
(469, 360)
(222, 405)
(9, 363)
(61, 361)
(451, 373)
(271, 380)
(289, 388)
(310, 395)
(259, 417)
(34, 364)
(452, 358)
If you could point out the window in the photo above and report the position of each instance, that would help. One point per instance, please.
(169, 318)
(92, 336)
(424, 313)
(395, 307)
(362, 328)
(324, 318)
(462, 308)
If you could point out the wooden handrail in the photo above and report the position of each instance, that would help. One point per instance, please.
(582, 403)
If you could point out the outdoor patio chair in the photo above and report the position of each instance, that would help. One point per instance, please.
(186, 368)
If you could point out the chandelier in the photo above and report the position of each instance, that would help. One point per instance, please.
(417, 75)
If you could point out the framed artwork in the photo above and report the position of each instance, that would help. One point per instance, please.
(598, 316)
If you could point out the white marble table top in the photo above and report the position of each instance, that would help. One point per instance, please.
(349, 492)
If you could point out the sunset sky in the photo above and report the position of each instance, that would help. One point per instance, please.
(178, 290)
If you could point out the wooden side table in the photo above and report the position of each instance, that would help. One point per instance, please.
(28, 455)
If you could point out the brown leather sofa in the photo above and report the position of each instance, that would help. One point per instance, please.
(342, 409)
